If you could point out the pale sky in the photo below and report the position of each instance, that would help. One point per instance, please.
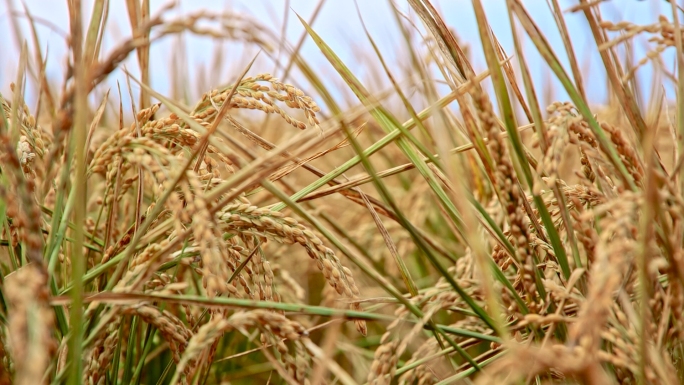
(338, 24)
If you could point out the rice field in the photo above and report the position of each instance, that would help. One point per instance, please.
(443, 224)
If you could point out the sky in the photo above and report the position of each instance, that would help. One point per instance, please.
(338, 24)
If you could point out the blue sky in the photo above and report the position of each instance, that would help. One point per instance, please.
(339, 25)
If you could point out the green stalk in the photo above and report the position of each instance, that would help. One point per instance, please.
(77, 152)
